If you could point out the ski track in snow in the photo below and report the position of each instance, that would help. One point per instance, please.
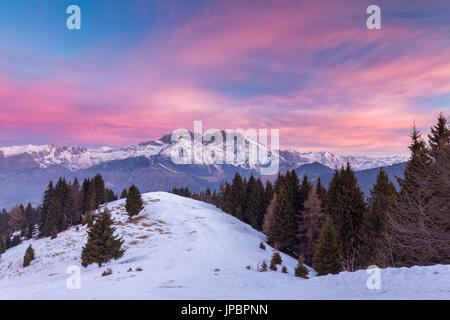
(192, 250)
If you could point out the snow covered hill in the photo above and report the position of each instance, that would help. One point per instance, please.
(191, 250)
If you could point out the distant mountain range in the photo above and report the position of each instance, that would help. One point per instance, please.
(26, 170)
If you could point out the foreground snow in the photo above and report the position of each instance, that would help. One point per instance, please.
(191, 250)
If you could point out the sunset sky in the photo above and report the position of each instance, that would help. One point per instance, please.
(140, 69)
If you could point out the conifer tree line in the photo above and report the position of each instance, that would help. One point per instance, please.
(64, 204)
(338, 228)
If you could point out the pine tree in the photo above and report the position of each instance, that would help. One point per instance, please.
(102, 245)
(29, 256)
(73, 207)
(257, 204)
(300, 269)
(91, 197)
(312, 218)
(238, 191)
(124, 194)
(2, 244)
(304, 191)
(30, 231)
(279, 222)
(420, 221)
(46, 200)
(134, 203)
(100, 192)
(326, 256)
(269, 192)
(276, 259)
(322, 193)
(346, 207)
(226, 200)
(439, 138)
(374, 233)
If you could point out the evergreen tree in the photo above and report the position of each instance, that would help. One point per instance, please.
(269, 192)
(257, 204)
(134, 203)
(346, 207)
(237, 193)
(100, 192)
(303, 193)
(312, 218)
(91, 197)
(30, 231)
(300, 269)
(2, 244)
(420, 221)
(102, 245)
(326, 256)
(46, 200)
(374, 233)
(15, 240)
(280, 222)
(439, 138)
(322, 193)
(29, 256)
(226, 200)
(73, 207)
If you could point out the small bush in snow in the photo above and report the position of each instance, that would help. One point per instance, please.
(29, 256)
(130, 269)
(248, 267)
(301, 270)
(284, 269)
(273, 266)
(276, 259)
(107, 272)
(138, 269)
(263, 266)
(262, 246)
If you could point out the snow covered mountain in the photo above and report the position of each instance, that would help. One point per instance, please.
(76, 158)
(187, 249)
(25, 171)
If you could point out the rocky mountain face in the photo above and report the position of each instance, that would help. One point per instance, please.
(25, 171)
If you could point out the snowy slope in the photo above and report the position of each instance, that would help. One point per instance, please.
(192, 250)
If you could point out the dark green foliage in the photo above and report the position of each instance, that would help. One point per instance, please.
(262, 246)
(421, 221)
(374, 233)
(276, 260)
(257, 203)
(346, 207)
(300, 269)
(322, 193)
(100, 192)
(237, 194)
(124, 194)
(102, 245)
(134, 203)
(2, 244)
(280, 220)
(15, 241)
(327, 253)
(29, 256)
(284, 269)
(310, 222)
(30, 231)
(263, 267)
(439, 138)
